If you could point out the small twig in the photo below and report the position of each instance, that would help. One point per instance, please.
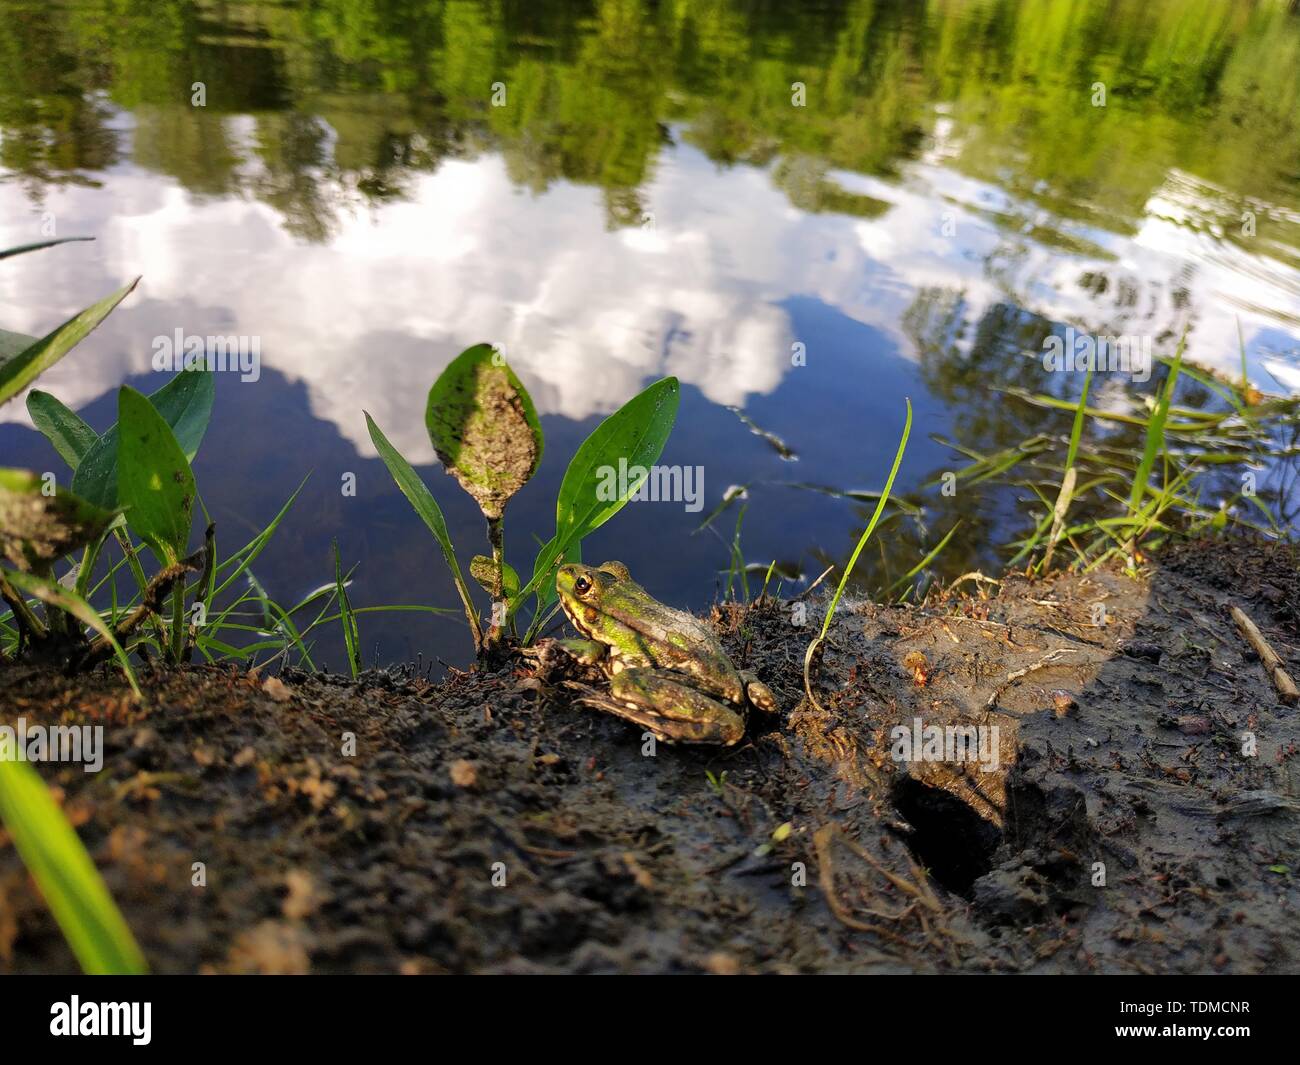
(150, 605)
(1058, 514)
(29, 625)
(1282, 681)
(806, 591)
(205, 583)
(975, 575)
(1048, 659)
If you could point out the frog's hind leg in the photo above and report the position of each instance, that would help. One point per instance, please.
(671, 710)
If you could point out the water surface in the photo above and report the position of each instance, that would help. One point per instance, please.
(806, 212)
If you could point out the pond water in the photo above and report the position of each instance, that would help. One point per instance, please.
(804, 212)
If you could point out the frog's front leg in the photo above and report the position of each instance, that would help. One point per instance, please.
(585, 652)
(671, 710)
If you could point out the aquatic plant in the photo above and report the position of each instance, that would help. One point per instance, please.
(484, 429)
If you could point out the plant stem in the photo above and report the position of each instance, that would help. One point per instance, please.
(27, 621)
(55, 619)
(178, 621)
(496, 537)
(133, 562)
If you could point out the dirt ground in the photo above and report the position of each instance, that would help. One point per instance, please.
(489, 823)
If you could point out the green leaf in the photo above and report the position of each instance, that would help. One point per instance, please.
(185, 403)
(62, 427)
(54, 594)
(422, 500)
(636, 434)
(247, 555)
(1155, 438)
(37, 529)
(19, 371)
(484, 428)
(68, 879)
(7, 252)
(351, 636)
(483, 570)
(12, 343)
(155, 483)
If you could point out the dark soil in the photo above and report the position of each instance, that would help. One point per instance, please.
(488, 822)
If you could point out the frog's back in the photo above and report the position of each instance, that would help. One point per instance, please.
(683, 643)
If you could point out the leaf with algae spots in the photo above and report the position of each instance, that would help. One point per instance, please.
(36, 528)
(484, 428)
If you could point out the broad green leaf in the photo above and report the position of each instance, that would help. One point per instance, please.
(54, 594)
(484, 428)
(7, 252)
(68, 879)
(422, 500)
(483, 570)
(185, 403)
(154, 480)
(19, 371)
(62, 427)
(634, 435)
(37, 529)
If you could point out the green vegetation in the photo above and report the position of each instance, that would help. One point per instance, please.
(65, 874)
(37, 526)
(352, 98)
(816, 643)
(350, 101)
(485, 432)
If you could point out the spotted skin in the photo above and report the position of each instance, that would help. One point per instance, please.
(666, 669)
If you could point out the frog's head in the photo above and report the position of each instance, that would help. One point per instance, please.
(589, 593)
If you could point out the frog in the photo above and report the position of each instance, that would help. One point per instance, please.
(666, 669)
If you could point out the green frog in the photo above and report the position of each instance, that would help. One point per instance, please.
(667, 672)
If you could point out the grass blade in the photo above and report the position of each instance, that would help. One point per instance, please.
(866, 535)
(7, 252)
(419, 496)
(22, 369)
(1155, 437)
(351, 636)
(72, 886)
(57, 596)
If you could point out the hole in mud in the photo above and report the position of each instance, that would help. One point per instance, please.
(951, 840)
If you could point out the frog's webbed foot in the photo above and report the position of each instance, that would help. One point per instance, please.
(555, 660)
(670, 710)
(759, 694)
(584, 652)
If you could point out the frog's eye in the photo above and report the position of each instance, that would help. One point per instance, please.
(582, 585)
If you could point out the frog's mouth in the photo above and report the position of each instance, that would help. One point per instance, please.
(572, 615)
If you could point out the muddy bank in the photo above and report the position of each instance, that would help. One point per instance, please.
(488, 823)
